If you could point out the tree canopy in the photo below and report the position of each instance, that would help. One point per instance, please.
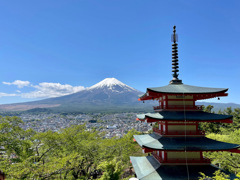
(225, 132)
(71, 153)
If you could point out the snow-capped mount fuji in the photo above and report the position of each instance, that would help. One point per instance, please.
(108, 95)
(113, 85)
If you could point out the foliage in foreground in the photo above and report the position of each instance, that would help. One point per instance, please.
(224, 132)
(111, 169)
(72, 153)
(218, 175)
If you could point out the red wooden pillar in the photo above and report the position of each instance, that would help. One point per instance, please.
(166, 99)
(166, 126)
(161, 128)
(165, 155)
(161, 104)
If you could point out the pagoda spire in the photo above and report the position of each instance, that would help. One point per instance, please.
(175, 66)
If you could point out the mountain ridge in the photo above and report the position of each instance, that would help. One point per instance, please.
(109, 94)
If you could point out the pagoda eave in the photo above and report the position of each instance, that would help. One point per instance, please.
(151, 95)
(161, 143)
(148, 168)
(150, 150)
(182, 116)
(151, 120)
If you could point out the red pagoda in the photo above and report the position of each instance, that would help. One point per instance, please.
(177, 144)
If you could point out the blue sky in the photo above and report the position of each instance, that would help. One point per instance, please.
(50, 48)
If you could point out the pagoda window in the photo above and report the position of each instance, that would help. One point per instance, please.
(184, 155)
(180, 97)
(187, 103)
(159, 125)
(182, 128)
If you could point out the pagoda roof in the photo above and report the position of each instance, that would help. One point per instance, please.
(184, 115)
(148, 168)
(183, 89)
(157, 142)
(186, 89)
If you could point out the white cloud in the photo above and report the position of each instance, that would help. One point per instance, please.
(47, 90)
(42, 90)
(6, 94)
(18, 83)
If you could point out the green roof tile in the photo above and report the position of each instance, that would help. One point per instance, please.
(148, 168)
(154, 141)
(183, 88)
(181, 115)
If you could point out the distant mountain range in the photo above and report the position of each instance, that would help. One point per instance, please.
(109, 95)
(219, 106)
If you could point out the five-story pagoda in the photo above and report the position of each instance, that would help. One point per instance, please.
(177, 144)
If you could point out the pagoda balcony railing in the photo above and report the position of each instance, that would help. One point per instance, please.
(161, 132)
(204, 160)
(154, 153)
(189, 160)
(187, 107)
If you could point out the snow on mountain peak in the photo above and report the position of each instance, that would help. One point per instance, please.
(110, 83)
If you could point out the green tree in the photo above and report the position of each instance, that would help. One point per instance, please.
(226, 160)
(209, 127)
(111, 169)
(71, 153)
(218, 175)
